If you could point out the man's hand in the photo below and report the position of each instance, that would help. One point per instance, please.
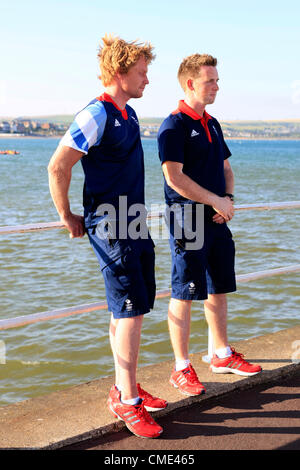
(184, 185)
(224, 209)
(218, 219)
(75, 224)
(60, 172)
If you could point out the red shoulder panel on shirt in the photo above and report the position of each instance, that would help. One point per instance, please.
(184, 108)
(108, 98)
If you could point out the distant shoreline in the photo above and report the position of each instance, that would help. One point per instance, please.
(17, 136)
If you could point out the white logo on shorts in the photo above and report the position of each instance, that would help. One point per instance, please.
(129, 305)
(192, 288)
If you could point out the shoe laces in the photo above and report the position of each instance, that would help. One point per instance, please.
(142, 413)
(237, 355)
(191, 374)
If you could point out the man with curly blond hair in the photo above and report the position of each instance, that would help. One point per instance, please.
(105, 136)
(194, 157)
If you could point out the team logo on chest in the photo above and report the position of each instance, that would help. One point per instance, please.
(194, 133)
(215, 130)
(117, 124)
(135, 120)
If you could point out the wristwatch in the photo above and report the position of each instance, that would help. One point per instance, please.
(231, 196)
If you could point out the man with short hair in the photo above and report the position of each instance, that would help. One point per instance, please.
(105, 136)
(196, 169)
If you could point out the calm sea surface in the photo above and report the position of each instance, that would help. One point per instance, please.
(47, 270)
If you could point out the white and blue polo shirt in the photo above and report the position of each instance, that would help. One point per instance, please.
(113, 165)
(113, 161)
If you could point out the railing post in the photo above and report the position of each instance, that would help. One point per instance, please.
(2, 352)
(210, 349)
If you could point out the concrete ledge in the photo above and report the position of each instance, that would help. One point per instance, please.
(80, 412)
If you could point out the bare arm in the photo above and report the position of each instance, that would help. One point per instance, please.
(229, 177)
(60, 174)
(189, 189)
(229, 187)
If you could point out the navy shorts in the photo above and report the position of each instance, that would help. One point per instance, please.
(128, 268)
(209, 270)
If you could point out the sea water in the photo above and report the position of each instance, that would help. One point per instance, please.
(47, 270)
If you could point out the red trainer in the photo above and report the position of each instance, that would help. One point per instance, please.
(187, 382)
(151, 403)
(235, 364)
(135, 417)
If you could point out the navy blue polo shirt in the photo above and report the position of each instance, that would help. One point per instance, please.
(113, 161)
(198, 143)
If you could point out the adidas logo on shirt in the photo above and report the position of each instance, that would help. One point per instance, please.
(117, 123)
(194, 133)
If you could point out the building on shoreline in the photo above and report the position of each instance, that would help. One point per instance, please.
(28, 127)
(45, 127)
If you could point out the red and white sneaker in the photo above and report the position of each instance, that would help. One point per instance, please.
(135, 417)
(187, 382)
(235, 364)
(151, 403)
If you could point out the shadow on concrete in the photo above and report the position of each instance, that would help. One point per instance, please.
(265, 418)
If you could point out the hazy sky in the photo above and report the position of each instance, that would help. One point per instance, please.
(49, 53)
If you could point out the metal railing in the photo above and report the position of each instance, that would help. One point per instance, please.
(59, 225)
(85, 308)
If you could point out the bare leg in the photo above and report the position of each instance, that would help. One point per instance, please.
(125, 336)
(215, 309)
(112, 337)
(179, 320)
